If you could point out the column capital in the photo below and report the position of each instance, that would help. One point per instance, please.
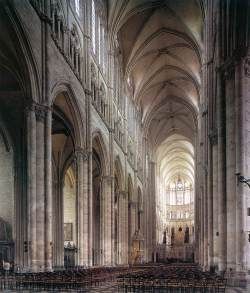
(123, 194)
(88, 92)
(41, 111)
(82, 152)
(213, 136)
(108, 179)
(132, 204)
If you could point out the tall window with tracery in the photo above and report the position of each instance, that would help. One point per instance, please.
(99, 27)
(77, 7)
(93, 31)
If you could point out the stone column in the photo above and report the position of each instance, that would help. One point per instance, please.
(243, 164)
(119, 211)
(57, 219)
(144, 193)
(40, 190)
(132, 204)
(100, 251)
(205, 191)
(31, 184)
(126, 247)
(113, 234)
(215, 202)
(201, 219)
(152, 207)
(123, 237)
(222, 224)
(240, 139)
(85, 248)
(120, 219)
(230, 170)
(79, 206)
(107, 215)
(87, 78)
(90, 214)
(48, 191)
(196, 204)
(210, 208)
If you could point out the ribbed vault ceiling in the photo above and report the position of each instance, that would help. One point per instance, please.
(161, 44)
(176, 157)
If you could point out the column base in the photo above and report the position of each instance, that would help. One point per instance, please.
(58, 268)
(48, 266)
(238, 279)
(37, 266)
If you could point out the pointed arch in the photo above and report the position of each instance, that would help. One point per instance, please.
(130, 188)
(139, 198)
(100, 146)
(21, 62)
(119, 173)
(74, 112)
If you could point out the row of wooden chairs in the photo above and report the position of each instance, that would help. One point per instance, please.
(67, 279)
(175, 278)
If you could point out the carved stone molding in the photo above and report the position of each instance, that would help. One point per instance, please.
(41, 111)
(132, 204)
(81, 152)
(204, 110)
(123, 194)
(87, 92)
(40, 114)
(108, 179)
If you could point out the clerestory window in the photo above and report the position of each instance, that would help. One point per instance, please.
(77, 7)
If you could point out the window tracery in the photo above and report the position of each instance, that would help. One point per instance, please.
(58, 24)
(118, 128)
(103, 103)
(179, 192)
(99, 30)
(74, 50)
(93, 83)
(93, 31)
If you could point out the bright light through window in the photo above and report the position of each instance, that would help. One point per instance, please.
(77, 6)
(93, 27)
(179, 192)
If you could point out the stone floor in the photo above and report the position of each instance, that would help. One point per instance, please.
(112, 288)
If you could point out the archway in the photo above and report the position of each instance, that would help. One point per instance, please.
(65, 217)
(7, 199)
(69, 216)
(14, 206)
(99, 200)
(175, 198)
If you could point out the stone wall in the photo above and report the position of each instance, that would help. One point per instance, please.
(6, 184)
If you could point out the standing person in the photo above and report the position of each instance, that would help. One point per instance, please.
(6, 267)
